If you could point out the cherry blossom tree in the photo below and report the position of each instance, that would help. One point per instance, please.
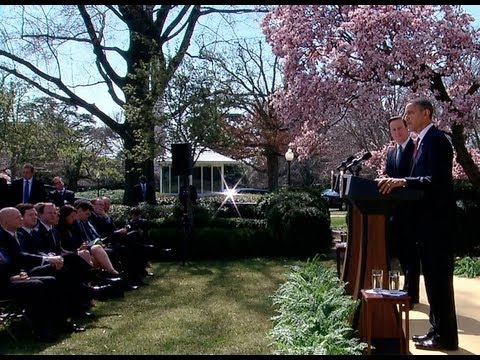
(344, 58)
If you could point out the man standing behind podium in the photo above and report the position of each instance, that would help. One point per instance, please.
(401, 243)
(432, 222)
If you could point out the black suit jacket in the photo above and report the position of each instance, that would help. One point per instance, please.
(37, 192)
(403, 169)
(71, 236)
(104, 226)
(50, 241)
(21, 259)
(29, 242)
(150, 197)
(432, 172)
(60, 199)
(4, 193)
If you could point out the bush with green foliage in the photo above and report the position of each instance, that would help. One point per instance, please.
(467, 236)
(116, 196)
(220, 206)
(292, 217)
(299, 219)
(467, 267)
(314, 314)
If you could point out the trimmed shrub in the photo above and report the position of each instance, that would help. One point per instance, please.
(299, 219)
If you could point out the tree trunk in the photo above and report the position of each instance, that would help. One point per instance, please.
(464, 158)
(135, 167)
(272, 170)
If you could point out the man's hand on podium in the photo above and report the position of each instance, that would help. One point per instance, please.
(387, 184)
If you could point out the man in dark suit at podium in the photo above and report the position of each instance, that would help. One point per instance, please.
(27, 189)
(401, 243)
(432, 222)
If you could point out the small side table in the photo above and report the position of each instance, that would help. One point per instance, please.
(403, 303)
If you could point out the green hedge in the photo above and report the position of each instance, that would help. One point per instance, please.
(299, 219)
(467, 239)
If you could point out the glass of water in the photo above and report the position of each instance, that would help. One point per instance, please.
(394, 280)
(377, 279)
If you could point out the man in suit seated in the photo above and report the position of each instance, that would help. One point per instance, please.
(60, 196)
(27, 189)
(127, 243)
(45, 304)
(144, 192)
(50, 244)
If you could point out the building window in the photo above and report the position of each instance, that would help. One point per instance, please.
(207, 178)
(217, 178)
(165, 180)
(197, 178)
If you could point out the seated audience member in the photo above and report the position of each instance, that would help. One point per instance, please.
(44, 302)
(136, 222)
(127, 243)
(27, 189)
(73, 277)
(69, 224)
(50, 243)
(60, 196)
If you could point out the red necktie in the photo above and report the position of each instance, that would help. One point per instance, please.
(415, 149)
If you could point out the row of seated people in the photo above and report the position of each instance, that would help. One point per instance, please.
(54, 266)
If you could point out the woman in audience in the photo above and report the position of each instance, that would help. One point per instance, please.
(72, 240)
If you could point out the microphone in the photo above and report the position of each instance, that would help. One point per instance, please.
(345, 162)
(357, 161)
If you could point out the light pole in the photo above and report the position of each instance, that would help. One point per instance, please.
(289, 155)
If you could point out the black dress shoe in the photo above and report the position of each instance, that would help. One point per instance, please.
(70, 327)
(434, 344)
(101, 292)
(87, 315)
(130, 287)
(421, 338)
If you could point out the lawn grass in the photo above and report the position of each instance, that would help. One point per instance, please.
(203, 307)
(338, 220)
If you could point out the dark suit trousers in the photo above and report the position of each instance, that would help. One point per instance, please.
(130, 253)
(40, 297)
(437, 266)
(403, 245)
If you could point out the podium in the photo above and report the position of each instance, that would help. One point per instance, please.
(368, 211)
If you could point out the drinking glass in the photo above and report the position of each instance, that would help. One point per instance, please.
(394, 280)
(377, 279)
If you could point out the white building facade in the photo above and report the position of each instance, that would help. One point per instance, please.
(207, 173)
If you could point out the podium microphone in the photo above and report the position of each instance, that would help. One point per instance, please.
(345, 162)
(357, 161)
